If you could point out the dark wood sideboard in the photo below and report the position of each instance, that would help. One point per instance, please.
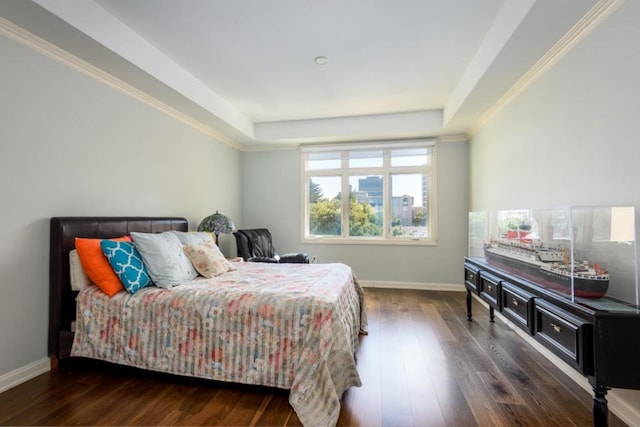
(598, 338)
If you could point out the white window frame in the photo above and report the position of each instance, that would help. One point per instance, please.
(386, 171)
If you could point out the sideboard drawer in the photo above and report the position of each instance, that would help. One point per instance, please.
(564, 334)
(471, 277)
(490, 289)
(517, 306)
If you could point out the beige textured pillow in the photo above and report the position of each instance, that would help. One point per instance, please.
(77, 275)
(207, 259)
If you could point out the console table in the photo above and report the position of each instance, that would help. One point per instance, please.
(600, 338)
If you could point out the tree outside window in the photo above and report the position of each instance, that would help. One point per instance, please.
(389, 193)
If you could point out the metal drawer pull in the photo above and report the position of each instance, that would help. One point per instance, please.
(556, 328)
(515, 302)
(489, 288)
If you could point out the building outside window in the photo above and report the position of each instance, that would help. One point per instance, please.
(375, 193)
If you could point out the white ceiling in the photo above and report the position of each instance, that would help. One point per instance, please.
(401, 55)
(245, 68)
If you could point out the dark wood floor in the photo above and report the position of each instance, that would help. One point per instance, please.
(422, 364)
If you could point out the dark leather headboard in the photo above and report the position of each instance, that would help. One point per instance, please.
(64, 230)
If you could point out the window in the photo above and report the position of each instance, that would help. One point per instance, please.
(388, 188)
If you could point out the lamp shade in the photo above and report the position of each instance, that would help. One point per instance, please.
(216, 224)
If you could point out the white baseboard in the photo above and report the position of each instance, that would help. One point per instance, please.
(421, 286)
(627, 409)
(20, 375)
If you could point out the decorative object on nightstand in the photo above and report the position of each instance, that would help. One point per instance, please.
(216, 224)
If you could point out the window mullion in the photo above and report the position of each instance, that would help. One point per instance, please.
(386, 200)
(357, 166)
(344, 232)
(345, 204)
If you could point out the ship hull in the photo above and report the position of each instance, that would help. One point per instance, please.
(585, 288)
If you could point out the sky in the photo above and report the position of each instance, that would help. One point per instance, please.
(409, 184)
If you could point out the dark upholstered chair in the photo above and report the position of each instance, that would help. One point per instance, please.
(256, 246)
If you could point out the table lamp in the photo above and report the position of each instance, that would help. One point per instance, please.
(216, 224)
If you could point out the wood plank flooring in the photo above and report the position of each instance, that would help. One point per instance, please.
(422, 364)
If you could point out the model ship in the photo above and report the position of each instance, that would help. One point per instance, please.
(550, 267)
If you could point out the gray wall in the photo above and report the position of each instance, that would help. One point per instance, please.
(272, 197)
(70, 145)
(572, 137)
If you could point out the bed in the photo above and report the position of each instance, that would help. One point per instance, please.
(294, 327)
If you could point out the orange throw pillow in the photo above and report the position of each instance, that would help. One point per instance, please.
(97, 266)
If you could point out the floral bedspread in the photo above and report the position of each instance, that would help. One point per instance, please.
(292, 326)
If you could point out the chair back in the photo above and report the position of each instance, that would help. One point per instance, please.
(255, 242)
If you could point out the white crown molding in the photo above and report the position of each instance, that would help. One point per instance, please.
(30, 40)
(453, 138)
(591, 20)
(257, 147)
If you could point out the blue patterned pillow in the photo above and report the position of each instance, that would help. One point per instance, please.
(127, 264)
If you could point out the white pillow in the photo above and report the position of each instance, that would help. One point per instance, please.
(77, 275)
(164, 258)
(193, 237)
(208, 260)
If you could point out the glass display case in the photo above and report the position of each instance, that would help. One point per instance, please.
(569, 278)
(585, 254)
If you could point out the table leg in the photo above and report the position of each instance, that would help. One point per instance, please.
(600, 407)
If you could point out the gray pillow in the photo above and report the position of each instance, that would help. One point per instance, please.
(164, 258)
(193, 237)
